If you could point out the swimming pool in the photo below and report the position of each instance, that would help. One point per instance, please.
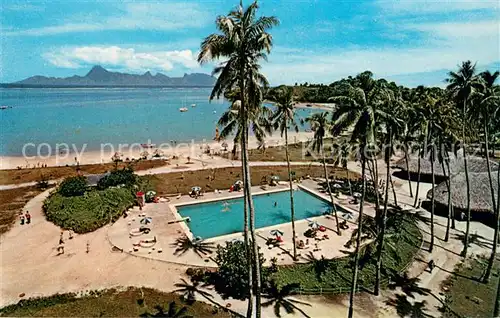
(226, 216)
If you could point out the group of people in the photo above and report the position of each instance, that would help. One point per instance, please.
(25, 218)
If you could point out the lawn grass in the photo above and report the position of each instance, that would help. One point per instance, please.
(223, 178)
(88, 212)
(12, 202)
(131, 302)
(467, 296)
(338, 273)
(17, 176)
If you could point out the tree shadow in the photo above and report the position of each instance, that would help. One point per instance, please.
(404, 308)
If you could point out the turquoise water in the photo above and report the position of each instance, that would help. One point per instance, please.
(95, 116)
(220, 218)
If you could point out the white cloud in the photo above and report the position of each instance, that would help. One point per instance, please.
(400, 7)
(122, 58)
(136, 16)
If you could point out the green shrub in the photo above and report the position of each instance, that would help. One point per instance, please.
(231, 278)
(73, 186)
(88, 212)
(117, 177)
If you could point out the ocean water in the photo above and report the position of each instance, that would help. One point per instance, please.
(95, 116)
(206, 217)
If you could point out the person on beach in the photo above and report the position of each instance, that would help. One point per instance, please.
(70, 234)
(61, 241)
(28, 217)
(21, 218)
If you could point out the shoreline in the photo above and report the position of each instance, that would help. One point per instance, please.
(194, 150)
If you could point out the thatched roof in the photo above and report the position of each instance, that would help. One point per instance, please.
(480, 192)
(474, 165)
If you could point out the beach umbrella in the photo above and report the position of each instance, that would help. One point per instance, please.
(347, 216)
(239, 182)
(146, 220)
(196, 189)
(337, 186)
(225, 145)
(356, 195)
(275, 178)
(276, 232)
(313, 224)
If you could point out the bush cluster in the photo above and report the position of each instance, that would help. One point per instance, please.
(87, 213)
(73, 186)
(125, 177)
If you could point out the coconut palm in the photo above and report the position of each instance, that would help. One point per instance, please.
(279, 297)
(462, 85)
(320, 125)
(243, 41)
(344, 151)
(485, 102)
(283, 119)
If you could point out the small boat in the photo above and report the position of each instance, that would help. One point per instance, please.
(193, 105)
(215, 112)
(183, 109)
(5, 107)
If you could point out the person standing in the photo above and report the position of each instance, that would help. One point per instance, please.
(21, 218)
(28, 217)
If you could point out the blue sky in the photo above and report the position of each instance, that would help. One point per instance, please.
(411, 42)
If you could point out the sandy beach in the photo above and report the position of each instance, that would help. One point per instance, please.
(194, 150)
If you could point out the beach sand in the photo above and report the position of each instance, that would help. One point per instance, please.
(194, 150)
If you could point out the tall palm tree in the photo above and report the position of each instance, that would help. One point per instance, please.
(283, 119)
(243, 40)
(356, 106)
(392, 126)
(462, 85)
(485, 102)
(320, 125)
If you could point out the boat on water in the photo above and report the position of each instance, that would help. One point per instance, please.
(193, 105)
(5, 107)
(148, 145)
(183, 109)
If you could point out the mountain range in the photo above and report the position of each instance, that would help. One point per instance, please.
(99, 76)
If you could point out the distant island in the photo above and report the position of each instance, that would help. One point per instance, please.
(99, 76)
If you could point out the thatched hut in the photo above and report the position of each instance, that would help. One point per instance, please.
(474, 165)
(480, 192)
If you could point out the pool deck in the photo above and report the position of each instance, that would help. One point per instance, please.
(166, 234)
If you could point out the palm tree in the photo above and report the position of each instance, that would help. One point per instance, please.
(172, 311)
(279, 297)
(189, 291)
(320, 125)
(461, 85)
(486, 101)
(283, 119)
(244, 41)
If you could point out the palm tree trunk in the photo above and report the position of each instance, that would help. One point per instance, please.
(393, 189)
(467, 183)
(418, 177)
(380, 247)
(358, 242)
(292, 208)
(448, 221)
(495, 211)
(431, 246)
(496, 310)
(349, 181)
(451, 209)
(408, 170)
(255, 260)
(330, 192)
(248, 249)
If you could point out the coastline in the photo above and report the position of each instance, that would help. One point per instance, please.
(194, 150)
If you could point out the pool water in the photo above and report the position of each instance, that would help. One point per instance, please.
(226, 216)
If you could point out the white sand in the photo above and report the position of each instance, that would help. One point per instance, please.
(184, 150)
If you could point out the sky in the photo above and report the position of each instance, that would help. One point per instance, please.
(318, 41)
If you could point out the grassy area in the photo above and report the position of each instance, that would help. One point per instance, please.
(223, 178)
(337, 273)
(12, 202)
(467, 296)
(16, 176)
(131, 302)
(90, 211)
